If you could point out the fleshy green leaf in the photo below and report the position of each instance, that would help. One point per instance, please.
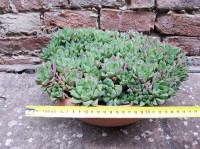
(87, 103)
(74, 94)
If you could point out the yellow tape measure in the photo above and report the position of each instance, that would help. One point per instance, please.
(112, 112)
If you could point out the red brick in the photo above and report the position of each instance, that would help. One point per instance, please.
(179, 24)
(142, 4)
(127, 20)
(22, 5)
(69, 18)
(23, 45)
(189, 44)
(178, 4)
(95, 3)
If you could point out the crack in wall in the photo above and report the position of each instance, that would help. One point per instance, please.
(99, 18)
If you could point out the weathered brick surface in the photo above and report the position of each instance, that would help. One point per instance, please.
(127, 20)
(178, 4)
(135, 4)
(20, 60)
(194, 60)
(95, 3)
(179, 24)
(22, 50)
(3, 5)
(38, 4)
(23, 45)
(189, 44)
(69, 18)
(22, 23)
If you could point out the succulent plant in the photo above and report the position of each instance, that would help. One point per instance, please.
(45, 74)
(87, 91)
(112, 67)
(95, 67)
(56, 91)
(111, 92)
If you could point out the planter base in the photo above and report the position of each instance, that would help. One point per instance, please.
(105, 122)
(110, 122)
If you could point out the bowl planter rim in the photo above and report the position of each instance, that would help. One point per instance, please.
(105, 122)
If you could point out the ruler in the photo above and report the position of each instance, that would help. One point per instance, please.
(113, 111)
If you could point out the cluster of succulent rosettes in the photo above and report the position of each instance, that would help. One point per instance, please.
(95, 67)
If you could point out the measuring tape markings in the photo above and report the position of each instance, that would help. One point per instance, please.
(112, 112)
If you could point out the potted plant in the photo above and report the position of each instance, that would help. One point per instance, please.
(89, 67)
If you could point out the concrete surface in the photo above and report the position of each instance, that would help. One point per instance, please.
(19, 132)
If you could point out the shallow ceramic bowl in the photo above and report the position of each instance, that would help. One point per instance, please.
(105, 122)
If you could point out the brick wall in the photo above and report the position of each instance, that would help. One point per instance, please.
(26, 26)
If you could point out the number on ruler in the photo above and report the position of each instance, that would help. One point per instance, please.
(147, 112)
(86, 111)
(29, 111)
